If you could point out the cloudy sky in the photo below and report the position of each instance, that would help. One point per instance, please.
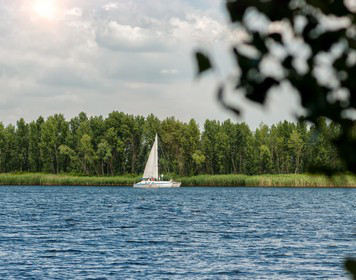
(135, 56)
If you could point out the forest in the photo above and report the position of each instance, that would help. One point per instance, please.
(119, 144)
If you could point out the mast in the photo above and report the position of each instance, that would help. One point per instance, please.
(156, 157)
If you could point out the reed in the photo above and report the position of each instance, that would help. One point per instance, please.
(271, 180)
(214, 180)
(236, 180)
(64, 180)
(301, 180)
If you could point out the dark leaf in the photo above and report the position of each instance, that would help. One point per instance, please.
(345, 145)
(312, 23)
(287, 62)
(352, 42)
(220, 93)
(349, 73)
(340, 63)
(237, 8)
(325, 41)
(350, 265)
(245, 62)
(276, 37)
(334, 7)
(259, 43)
(317, 169)
(220, 96)
(233, 109)
(259, 90)
(203, 62)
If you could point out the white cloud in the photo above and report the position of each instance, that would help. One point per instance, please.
(169, 71)
(122, 37)
(111, 6)
(100, 56)
(75, 12)
(135, 35)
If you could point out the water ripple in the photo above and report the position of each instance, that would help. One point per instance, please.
(188, 233)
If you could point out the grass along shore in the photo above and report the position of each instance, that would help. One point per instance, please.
(40, 179)
(271, 180)
(274, 180)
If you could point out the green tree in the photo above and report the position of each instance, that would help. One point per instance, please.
(53, 134)
(120, 144)
(246, 153)
(120, 132)
(295, 143)
(104, 154)
(265, 159)
(2, 147)
(135, 141)
(198, 159)
(276, 144)
(231, 156)
(172, 137)
(34, 138)
(73, 164)
(209, 146)
(222, 148)
(11, 163)
(190, 146)
(86, 154)
(22, 147)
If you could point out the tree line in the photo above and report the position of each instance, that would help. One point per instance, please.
(120, 144)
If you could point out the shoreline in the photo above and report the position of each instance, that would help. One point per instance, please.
(231, 180)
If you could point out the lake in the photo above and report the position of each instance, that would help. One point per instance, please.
(185, 233)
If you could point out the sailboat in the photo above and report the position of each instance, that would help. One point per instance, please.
(150, 178)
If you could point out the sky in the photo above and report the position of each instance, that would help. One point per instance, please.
(134, 56)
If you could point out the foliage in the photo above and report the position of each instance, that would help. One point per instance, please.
(120, 144)
(312, 46)
(350, 265)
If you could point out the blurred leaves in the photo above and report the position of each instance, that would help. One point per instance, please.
(321, 35)
(220, 95)
(330, 7)
(350, 266)
(275, 10)
(203, 62)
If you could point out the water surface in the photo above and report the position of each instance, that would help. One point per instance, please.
(185, 233)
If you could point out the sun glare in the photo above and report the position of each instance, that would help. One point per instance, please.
(45, 8)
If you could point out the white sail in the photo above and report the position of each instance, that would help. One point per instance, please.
(150, 176)
(151, 169)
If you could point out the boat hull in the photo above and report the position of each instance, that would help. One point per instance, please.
(153, 184)
(176, 184)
